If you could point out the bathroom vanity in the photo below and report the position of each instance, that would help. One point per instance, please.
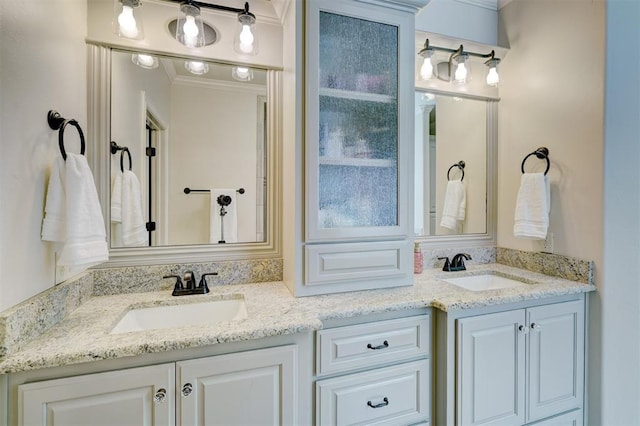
(512, 355)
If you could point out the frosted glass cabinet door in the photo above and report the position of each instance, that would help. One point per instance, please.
(358, 132)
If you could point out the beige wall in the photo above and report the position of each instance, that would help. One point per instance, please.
(552, 92)
(42, 67)
(226, 158)
(464, 140)
(552, 95)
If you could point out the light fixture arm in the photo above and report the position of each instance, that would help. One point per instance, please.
(215, 6)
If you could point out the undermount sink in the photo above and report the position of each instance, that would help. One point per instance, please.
(202, 313)
(484, 281)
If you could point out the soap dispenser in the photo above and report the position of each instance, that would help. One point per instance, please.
(417, 258)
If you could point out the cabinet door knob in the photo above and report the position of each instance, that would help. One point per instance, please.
(384, 403)
(187, 389)
(535, 326)
(384, 345)
(523, 329)
(160, 396)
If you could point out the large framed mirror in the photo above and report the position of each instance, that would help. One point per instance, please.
(199, 137)
(455, 176)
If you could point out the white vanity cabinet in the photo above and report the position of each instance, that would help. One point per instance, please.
(520, 366)
(258, 387)
(248, 388)
(140, 396)
(375, 373)
(358, 145)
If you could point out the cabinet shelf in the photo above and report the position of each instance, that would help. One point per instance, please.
(356, 162)
(356, 96)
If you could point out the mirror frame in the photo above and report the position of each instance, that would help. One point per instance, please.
(488, 238)
(99, 130)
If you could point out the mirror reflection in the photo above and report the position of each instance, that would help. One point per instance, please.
(450, 165)
(188, 161)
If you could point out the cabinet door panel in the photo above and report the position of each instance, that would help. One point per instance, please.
(123, 397)
(247, 388)
(491, 369)
(359, 127)
(556, 360)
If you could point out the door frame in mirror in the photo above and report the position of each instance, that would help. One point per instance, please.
(489, 238)
(99, 131)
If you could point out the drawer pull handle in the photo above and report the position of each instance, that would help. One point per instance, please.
(384, 345)
(384, 403)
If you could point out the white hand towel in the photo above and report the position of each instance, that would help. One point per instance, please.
(230, 219)
(454, 205)
(134, 232)
(532, 207)
(73, 215)
(116, 199)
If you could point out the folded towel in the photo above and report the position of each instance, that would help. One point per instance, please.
(116, 199)
(73, 215)
(134, 232)
(230, 219)
(532, 207)
(454, 205)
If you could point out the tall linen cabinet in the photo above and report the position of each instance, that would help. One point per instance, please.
(348, 145)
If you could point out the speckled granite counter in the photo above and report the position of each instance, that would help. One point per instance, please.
(83, 335)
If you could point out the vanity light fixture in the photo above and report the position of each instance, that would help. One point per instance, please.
(242, 73)
(460, 76)
(127, 19)
(147, 62)
(456, 68)
(426, 70)
(196, 67)
(189, 28)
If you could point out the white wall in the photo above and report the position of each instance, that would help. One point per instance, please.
(461, 19)
(617, 391)
(226, 158)
(42, 67)
(552, 94)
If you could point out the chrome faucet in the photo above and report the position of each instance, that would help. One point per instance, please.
(456, 264)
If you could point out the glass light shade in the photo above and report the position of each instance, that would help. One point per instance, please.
(460, 76)
(493, 78)
(242, 73)
(426, 71)
(196, 67)
(189, 28)
(246, 40)
(127, 19)
(147, 62)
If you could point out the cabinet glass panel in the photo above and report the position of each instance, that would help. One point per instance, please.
(358, 123)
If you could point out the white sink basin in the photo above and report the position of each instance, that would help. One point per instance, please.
(484, 282)
(156, 317)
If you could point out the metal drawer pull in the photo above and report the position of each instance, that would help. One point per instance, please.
(384, 345)
(187, 389)
(160, 396)
(384, 403)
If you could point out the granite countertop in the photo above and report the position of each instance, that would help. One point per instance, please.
(83, 335)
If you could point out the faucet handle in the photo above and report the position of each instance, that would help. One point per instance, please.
(447, 264)
(203, 281)
(178, 285)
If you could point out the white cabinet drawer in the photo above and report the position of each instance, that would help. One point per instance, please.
(397, 395)
(366, 345)
(344, 262)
